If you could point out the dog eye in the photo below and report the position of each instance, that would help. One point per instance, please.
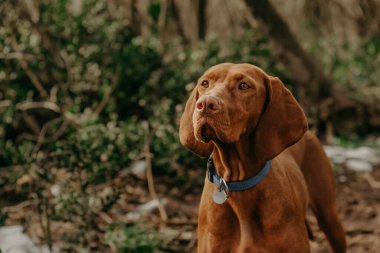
(205, 83)
(243, 86)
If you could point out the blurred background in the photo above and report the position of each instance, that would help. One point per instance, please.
(91, 92)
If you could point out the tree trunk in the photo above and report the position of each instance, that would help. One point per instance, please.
(186, 18)
(315, 87)
(139, 17)
(202, 4)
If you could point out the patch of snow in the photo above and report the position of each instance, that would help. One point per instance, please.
(359, 165)
(363, 153)
(138, 168)
(356, 159)
(13, 240)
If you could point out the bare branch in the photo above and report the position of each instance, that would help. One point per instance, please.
(30, 13)
(31, 122)
(108, 93)
(41, 137)
(184, 13)
(73, 119)
(16, 55)
(162, 16)
(148, 160)
(4, 104)
(53, 93)
(39, 105)
(371, 181)
(48, 105)
(18, 207)
(26, 136)
(33, 77)
(61, 130)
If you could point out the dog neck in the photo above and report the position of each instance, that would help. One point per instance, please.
(236, 161)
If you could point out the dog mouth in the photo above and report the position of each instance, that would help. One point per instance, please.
(213, 129)
(207, 132)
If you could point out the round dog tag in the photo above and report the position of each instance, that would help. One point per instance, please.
(219, 197)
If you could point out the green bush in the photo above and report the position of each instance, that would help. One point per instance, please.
(354, 69)
(112, 88)
(131, 239)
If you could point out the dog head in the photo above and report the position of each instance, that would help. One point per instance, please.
(232, 101)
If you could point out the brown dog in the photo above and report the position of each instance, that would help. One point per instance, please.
(245, 118)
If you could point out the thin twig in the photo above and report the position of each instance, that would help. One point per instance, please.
(108, 93)
(48, 226)
(37, 201)
(31, 122)
(162, 16)
(26, 136)
(371, 181)
(74, 120)
(61, 130)
(58, 54)
(41, 137)
(33, 77)
(53, 93)
(39, 105)
(5, 103)
(16, 55)
(46, 40)
(105, 217)
(48, 105)
(149, 174)
(18, 207)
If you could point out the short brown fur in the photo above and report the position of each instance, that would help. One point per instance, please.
(243, 128)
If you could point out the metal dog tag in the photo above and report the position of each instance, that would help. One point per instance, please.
(219, 197)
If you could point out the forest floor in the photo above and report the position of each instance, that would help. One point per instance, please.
(358, 202)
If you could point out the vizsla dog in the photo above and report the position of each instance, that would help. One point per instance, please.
(265, 169)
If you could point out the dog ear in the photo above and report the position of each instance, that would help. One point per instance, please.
(282, 123)
(186, 129)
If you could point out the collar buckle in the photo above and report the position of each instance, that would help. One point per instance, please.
(223, 186)
(227, 187)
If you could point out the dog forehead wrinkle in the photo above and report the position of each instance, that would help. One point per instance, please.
(250, 70)
(222, 71)
(250, 74)
(216, 73)
(236, 76)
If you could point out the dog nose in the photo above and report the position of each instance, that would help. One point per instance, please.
(208, 104)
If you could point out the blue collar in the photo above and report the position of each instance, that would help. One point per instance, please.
(214, 177)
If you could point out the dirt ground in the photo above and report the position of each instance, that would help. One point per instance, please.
(357, 201)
